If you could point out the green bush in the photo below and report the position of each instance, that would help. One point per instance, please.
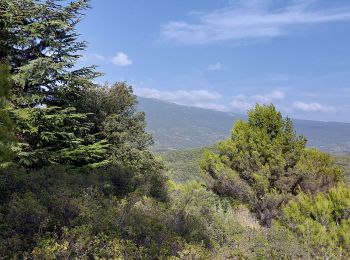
(322, 221)
(264, 164)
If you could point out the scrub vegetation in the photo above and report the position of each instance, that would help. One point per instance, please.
(78, 181)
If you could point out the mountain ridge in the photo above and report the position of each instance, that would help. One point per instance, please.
(178, 127)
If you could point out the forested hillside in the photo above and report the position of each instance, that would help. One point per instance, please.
(78, 181)
(176, 127)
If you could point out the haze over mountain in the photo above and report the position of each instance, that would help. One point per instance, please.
(176, 127)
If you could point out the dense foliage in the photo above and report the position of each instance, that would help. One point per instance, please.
(344, 162)
(72, 136)
(41, 48)
(77, 180)
(6, 124)
(265, 163)
(266, 166)
(183, 165)
(323, 221)
(58, 213)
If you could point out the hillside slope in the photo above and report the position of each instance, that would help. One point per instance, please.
(183, 166)
(176, 127)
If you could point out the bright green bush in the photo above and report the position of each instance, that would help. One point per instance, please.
(264, 164)
(322, 221)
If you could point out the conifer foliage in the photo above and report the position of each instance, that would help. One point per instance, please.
(74, 139)
(6, 125)
(54, 124)
(42, 48)
(264, 163)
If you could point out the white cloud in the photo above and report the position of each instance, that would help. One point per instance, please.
(268, 98)
(210, 100)
(196, 98)
(121, 59)
(243, 103)
(215, 66)
(248, 19)
(213, 106)
(313, 107)
(240, 103)
(178, 95)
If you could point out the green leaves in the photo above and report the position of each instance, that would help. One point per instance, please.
(264, 163)
(5, 84)
(57, 135)
(6, 125)
(61, 116)
(323, 220)
(42, 46)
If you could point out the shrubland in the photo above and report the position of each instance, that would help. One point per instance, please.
(267, 167)
(77, 180)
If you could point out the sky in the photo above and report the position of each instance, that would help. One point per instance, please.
(227, 55)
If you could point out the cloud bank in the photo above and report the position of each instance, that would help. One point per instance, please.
(246, 20)
(209, 99)
(313, 107)
(196, 98)
(243, 103)
(239, 103)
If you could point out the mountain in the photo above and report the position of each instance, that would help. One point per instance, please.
(176, 127)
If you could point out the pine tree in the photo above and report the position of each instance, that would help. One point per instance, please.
(265, 163)
(6, 125)
(42, 47)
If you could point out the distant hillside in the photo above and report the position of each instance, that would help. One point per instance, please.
(183, 166)
(176, 127)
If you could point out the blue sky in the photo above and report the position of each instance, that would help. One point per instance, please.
(227, 55)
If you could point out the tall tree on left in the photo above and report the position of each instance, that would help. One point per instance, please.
(6, 125)
(42, 47)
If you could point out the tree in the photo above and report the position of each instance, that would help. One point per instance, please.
(115, 115)
(117, 120)
(55, 135)
(264, 163)
(42, 47)
(61, 116)
(6, 125)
